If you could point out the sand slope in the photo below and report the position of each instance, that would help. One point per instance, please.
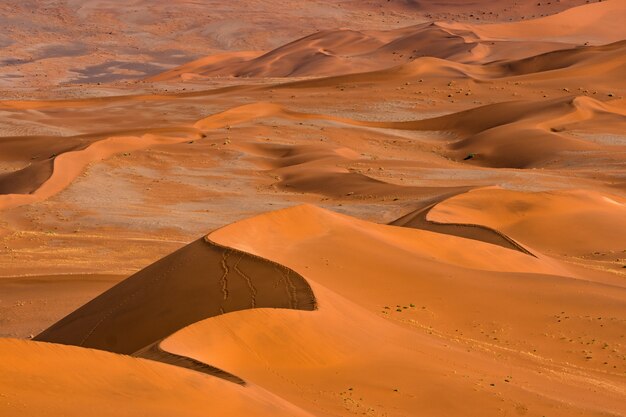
(573, 222)
(595, 23)
(49, 379)
(456, 312)
(343, 51)
(200, 280)
(451, 300)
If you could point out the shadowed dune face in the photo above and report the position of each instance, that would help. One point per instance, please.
(200, 280)
(26, 180)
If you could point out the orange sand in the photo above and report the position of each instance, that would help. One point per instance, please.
(306, 208)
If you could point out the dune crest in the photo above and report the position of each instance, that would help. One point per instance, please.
(198, 281)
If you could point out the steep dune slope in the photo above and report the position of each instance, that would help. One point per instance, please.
(198, 281)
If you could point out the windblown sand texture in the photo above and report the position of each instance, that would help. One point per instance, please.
(313, 208)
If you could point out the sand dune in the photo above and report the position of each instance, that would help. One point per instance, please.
(355, 332)
(511, 134)
(175, 292)
(521, 134)
(416, 208)
(581, 62)
(335, 52)
(600, 66)
(423, 244)
(38, 181)
(528, 143)
(515, 134)
(49, 379)
(577, 215)
(595, 23)
(417, 219)
(317, 247)
(343, 51)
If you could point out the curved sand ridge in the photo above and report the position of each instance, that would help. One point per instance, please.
(198, 281)
(491, 302)
(520, 134)
(334, 52)
(69, 165)
(583, 62)
(317, 223)
(601, 65)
